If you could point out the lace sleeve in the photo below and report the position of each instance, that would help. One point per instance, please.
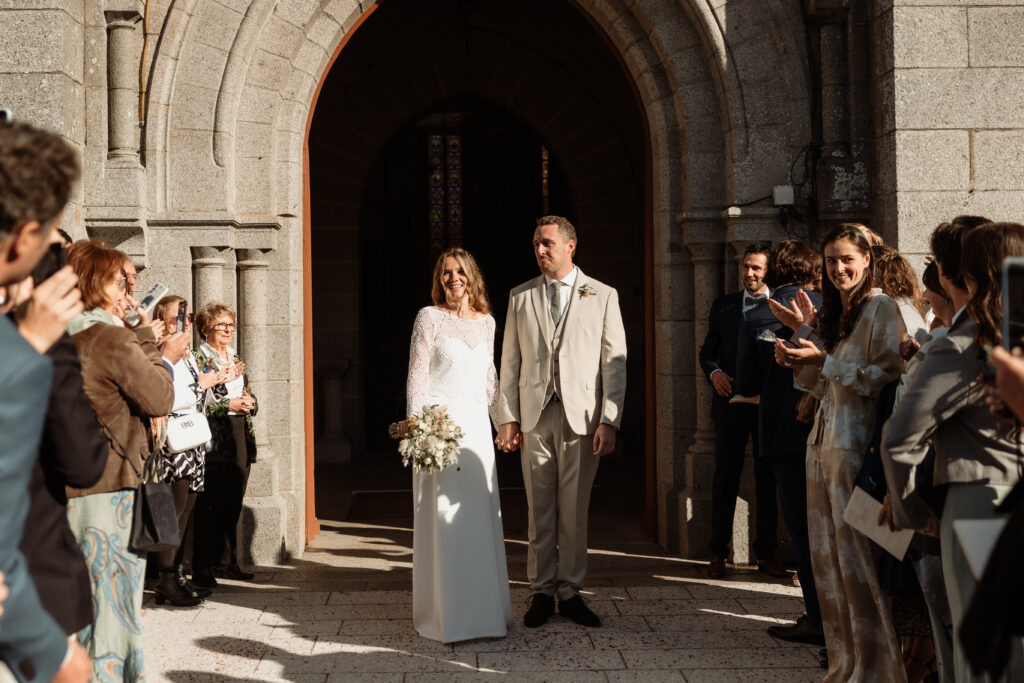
(492, 374)
(418, 385)
(492, 377)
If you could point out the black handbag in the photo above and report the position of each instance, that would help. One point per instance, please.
(154, 519)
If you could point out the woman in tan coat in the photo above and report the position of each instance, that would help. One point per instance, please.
(861, 330)
(127, 383)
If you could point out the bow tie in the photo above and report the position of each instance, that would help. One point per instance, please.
(754, 300)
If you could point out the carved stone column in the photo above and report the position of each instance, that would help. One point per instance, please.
(124, 48)
(208, 264)
(704, 236)
(253, 295)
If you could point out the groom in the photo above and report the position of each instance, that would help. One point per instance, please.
(563, 382)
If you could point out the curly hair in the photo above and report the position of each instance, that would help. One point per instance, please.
(985, 247)
(37, 171)
(475, 288)
(208, 313)
(792, 262)
(835, 322)
(896, 277)
(96, 267)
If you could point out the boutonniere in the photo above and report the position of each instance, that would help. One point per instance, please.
(585, 291)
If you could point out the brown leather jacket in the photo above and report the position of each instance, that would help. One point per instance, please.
(123, 376)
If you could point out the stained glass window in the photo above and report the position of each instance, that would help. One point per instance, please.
(544, 190)
(444, 160)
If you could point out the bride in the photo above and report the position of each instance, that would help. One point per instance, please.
(459, 575)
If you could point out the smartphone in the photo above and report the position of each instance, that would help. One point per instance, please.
(1013, 303)
(182, 315)
(55, 258)
(148, 303)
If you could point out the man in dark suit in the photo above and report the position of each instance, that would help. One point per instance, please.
(732, 370)
(782, 438)
(37, 169)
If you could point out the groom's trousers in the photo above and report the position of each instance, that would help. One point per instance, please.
(558, 472)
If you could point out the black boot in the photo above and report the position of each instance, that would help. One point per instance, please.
(173, 591)
(198, 590)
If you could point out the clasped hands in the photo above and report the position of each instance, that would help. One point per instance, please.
(510, 438)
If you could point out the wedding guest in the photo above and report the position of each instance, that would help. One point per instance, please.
(734, 411)
(184, 470)
(131, 277)
(127, 383)
(782, 439)
(861, 331)
(896, 278)
(977, 454)
(73, 452)
(37, 170)
(219, 505)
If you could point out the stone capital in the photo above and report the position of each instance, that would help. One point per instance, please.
(747, 224)
(249, 259)
(703, 234)
(208, 257)
(123, 18)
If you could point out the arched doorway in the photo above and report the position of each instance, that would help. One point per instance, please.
(510, 81)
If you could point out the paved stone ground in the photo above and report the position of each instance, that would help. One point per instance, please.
(343, 613)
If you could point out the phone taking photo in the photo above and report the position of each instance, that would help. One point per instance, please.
(1013, 303)
(182, 315)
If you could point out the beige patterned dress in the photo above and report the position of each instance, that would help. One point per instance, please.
(855, 611)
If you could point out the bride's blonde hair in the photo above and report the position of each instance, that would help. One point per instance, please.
(475, 287)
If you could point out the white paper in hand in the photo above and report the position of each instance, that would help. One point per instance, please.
(862, 514)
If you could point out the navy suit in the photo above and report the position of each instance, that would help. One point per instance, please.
(31, 642)
(783, 443)
(724, 349)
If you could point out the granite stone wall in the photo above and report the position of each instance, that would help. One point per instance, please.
(902, 113)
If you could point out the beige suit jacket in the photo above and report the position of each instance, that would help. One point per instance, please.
(591, 357)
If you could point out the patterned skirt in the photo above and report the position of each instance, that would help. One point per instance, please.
(190, 465)
(102, 524)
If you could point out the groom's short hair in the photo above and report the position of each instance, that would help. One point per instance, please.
(565, 228)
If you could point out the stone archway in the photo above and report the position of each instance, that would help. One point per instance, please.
(231, 92)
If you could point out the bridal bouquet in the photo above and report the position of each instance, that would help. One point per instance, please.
(431, 442)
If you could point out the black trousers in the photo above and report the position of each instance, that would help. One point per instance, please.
(219, 505)
(791, 476)
(734, 426)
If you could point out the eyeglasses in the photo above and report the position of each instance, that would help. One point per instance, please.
(224, 327)
(122, 284)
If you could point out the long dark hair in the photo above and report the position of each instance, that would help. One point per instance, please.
(834, 322)
(985, 247)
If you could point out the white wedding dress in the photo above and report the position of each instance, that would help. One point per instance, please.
(459, 575)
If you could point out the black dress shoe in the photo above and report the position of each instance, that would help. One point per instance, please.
(233, 571)
(823, 657)
(203, 578)
(198, 590)
(577, 610)
(803, 631)
(541, 608)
